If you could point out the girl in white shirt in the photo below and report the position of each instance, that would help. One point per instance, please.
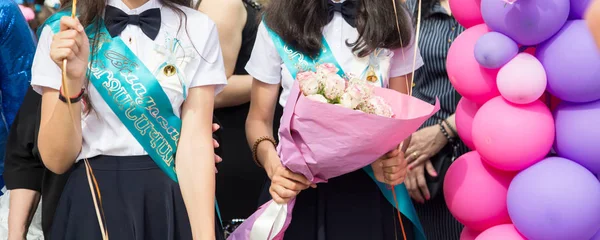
(361, 34)
(145, 94)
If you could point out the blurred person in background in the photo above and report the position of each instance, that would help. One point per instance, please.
(16, 56)
(433, 148)
(240, 181)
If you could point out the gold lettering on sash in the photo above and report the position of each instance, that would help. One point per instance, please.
(130, 110)
(173, 133)
(142, 124)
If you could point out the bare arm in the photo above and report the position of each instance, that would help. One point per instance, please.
(230, 18)
(59, 139)
(23, 204)
(59, 142)
(260, 123)
(195, 161)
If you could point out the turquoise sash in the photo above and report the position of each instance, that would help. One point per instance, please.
(296, 62)
(133, 93)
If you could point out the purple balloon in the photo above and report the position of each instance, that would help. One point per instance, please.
(596, 237)
(528, 22)
(578, 133)
(572, 62)
(494, 49)
(578, 8)
(555, 199)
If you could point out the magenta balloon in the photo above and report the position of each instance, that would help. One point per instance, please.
(465, 112)
(466, 12)
(469, 234)
(555, 199)
(578, 133)
(475, 192)
(572, 63)
(501, 232)
(578, 8)
(513, 137)
(494, 49)
(529, 22)
(472, 81)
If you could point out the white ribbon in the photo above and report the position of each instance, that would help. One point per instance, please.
(270, 222)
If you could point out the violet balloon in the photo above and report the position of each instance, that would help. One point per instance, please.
(595, 237)
(578, 133)
(555, 199)
(578, 8)
(572, 63)
(528, 22)
(494, 49)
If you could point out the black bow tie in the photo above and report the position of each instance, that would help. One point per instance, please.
(347, 9)
(116, 21)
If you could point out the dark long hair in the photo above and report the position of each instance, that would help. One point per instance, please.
(300, 23)
(90, 12)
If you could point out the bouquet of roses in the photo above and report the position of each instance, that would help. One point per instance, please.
(326, 86)
(332, 126)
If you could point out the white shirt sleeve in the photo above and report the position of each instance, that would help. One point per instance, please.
(211, 70)
(265, 62)
(403, 59)
(44, 72)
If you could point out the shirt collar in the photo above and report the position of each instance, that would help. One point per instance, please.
(148, 5)
(437, 9)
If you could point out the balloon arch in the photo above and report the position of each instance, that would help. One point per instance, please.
(529, 74)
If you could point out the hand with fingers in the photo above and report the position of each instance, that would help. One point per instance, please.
(424, 144)
(72, 44)
(215, 127)
(285, 184)
(391, 167)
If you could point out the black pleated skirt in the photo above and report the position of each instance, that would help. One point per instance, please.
(140, 203)
(349, 207)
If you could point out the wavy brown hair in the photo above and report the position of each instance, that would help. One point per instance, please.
(300, 23)
(90, 12)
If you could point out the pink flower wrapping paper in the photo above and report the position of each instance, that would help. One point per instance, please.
(323, 141)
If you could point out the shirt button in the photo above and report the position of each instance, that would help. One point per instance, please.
(449, 40)
(453, 28)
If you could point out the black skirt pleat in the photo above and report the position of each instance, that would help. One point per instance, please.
(140, 203)
(349, 207)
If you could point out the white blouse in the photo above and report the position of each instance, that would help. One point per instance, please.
(266, 65)
(199, 58)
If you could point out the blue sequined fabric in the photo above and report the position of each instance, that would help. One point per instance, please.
(17, 49)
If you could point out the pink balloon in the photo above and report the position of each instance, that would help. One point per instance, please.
(522, 80)
(466, 12)
(513, 137)
(501, 232)
(476, 192)
(472, 81)
(465, 112)
(468, 234)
